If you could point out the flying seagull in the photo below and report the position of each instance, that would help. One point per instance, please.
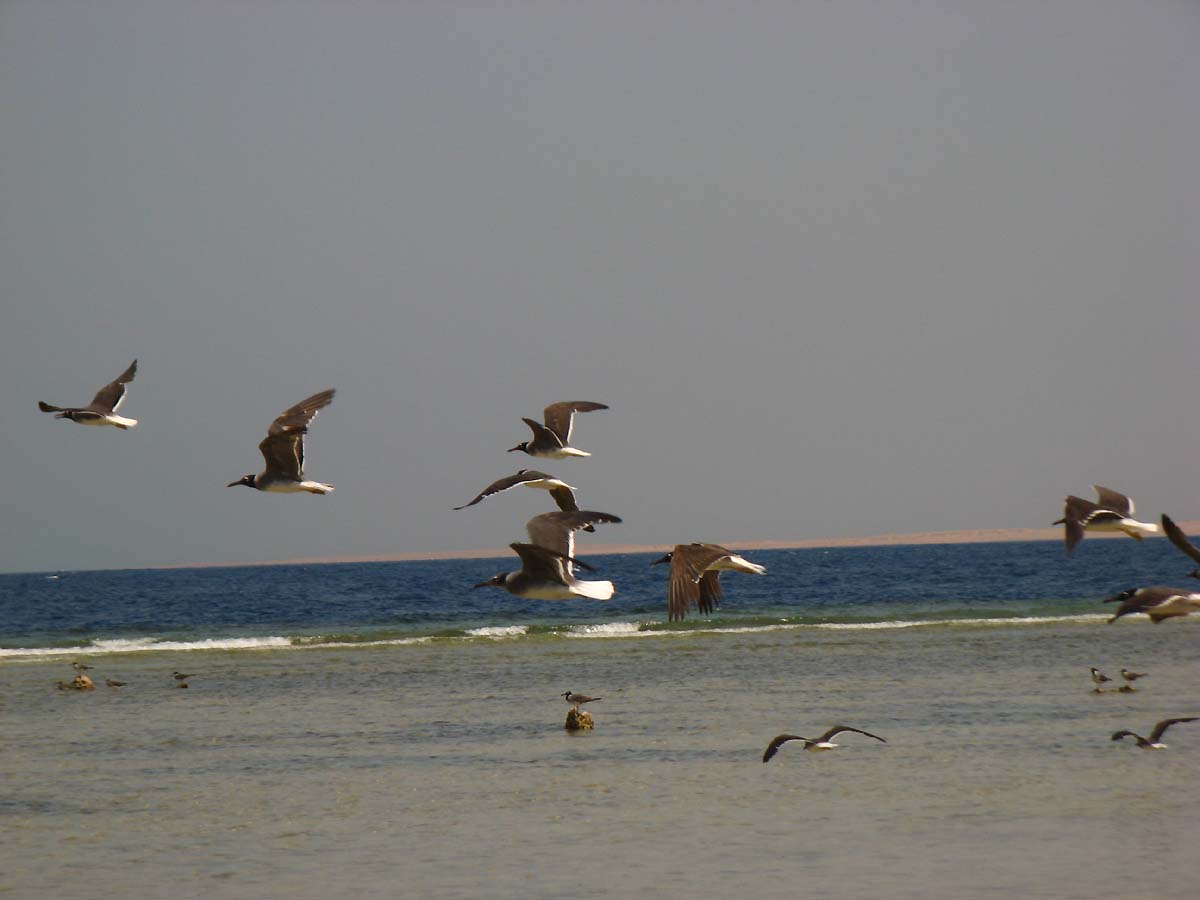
(547, 564)
(103, 408)
(695, 577)
(1098, 677)
(813, 746)
(553, 440)
(1157, 602)
(561, 491)
(577, 700)
(283, 450)
(1152, 743)
(1113, 513)
(1180, 540)
(1132, 676)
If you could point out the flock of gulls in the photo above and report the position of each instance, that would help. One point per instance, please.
(548, 561)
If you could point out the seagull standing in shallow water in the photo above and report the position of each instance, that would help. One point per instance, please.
(1114, 512)
(103, 408)
(1098, 678)
(815, 745)
(283, 451)
(553, 439)
(1152, 743)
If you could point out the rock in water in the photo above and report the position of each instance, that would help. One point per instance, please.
(83, 683)
(579, 720)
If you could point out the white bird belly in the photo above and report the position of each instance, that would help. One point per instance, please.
(738, 564)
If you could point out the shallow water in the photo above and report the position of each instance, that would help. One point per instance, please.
(383, 731)
(439, 770)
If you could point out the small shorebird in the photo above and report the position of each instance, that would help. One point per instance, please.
(577, 700)
(1180, 540)
(1132, 676)
(553, 440)
(547, 564)
(1098, 678)
(1152, 742)
(103, 408)
(561, 491)
(1113, 513)
(113, 683)
(815, 745)
(1157, 602)
(283, 450)
(80, 667)
(180, 676)
(695, 576)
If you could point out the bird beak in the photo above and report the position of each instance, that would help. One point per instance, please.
(662, 559)
(481, 584)
(511, 449)
(233, 484)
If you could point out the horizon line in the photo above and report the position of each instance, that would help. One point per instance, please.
(959, 536)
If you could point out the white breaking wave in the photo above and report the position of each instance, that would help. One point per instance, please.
(499, 631)
(606, 629)
(141, 645)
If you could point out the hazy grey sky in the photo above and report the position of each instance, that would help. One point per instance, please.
(838, 267)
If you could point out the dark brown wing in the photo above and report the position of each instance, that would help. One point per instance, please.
(1114, 500)
(779, 741)
(838, 729)
(1145, 600)
(109, 397)
(284, 454)
(545, 563)
(555, 530)
(560, 416)
(701, 556)
(297, 418)
(1164, 725)
(565, 498)
(1079, 513)
(543, 436)
(1179, 539)
(710, 592)
(682, 589)
(504, 484)
(284, 443)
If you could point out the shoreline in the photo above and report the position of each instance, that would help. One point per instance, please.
(965, 536)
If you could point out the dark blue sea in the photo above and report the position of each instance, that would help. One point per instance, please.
(365, 603)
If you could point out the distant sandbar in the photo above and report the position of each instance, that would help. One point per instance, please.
(971, 536)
